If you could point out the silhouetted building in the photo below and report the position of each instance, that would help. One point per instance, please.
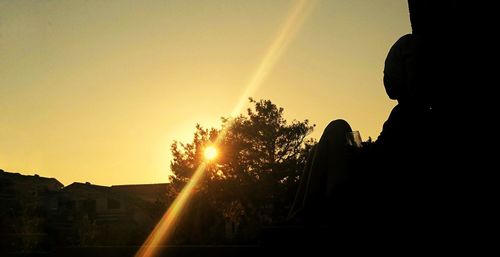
(26, 185)
(26, 202)
(39, 213)
(148, 192)
(26, 189)
(109, 204)
(105, 215)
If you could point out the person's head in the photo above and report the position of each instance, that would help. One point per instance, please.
(399, 70)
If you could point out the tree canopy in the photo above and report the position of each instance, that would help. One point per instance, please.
(255, 175)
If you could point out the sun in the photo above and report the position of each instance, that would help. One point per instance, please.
(210, 153)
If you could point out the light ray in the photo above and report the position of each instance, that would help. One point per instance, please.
(298, 13)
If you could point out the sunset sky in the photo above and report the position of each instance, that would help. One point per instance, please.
(98, 90)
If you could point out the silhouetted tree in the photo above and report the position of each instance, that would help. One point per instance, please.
(253, 180)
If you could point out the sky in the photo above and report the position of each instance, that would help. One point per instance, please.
(97, 91)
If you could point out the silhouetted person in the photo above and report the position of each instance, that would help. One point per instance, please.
(326, 172)
(336, 181)
(400, 184)
(416, 186)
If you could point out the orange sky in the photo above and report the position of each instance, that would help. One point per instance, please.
(98, 90)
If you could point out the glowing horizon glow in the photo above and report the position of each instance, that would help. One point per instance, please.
(210, 153)
(298, 13)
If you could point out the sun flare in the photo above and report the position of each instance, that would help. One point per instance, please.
(163, 230)
(210, 153)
